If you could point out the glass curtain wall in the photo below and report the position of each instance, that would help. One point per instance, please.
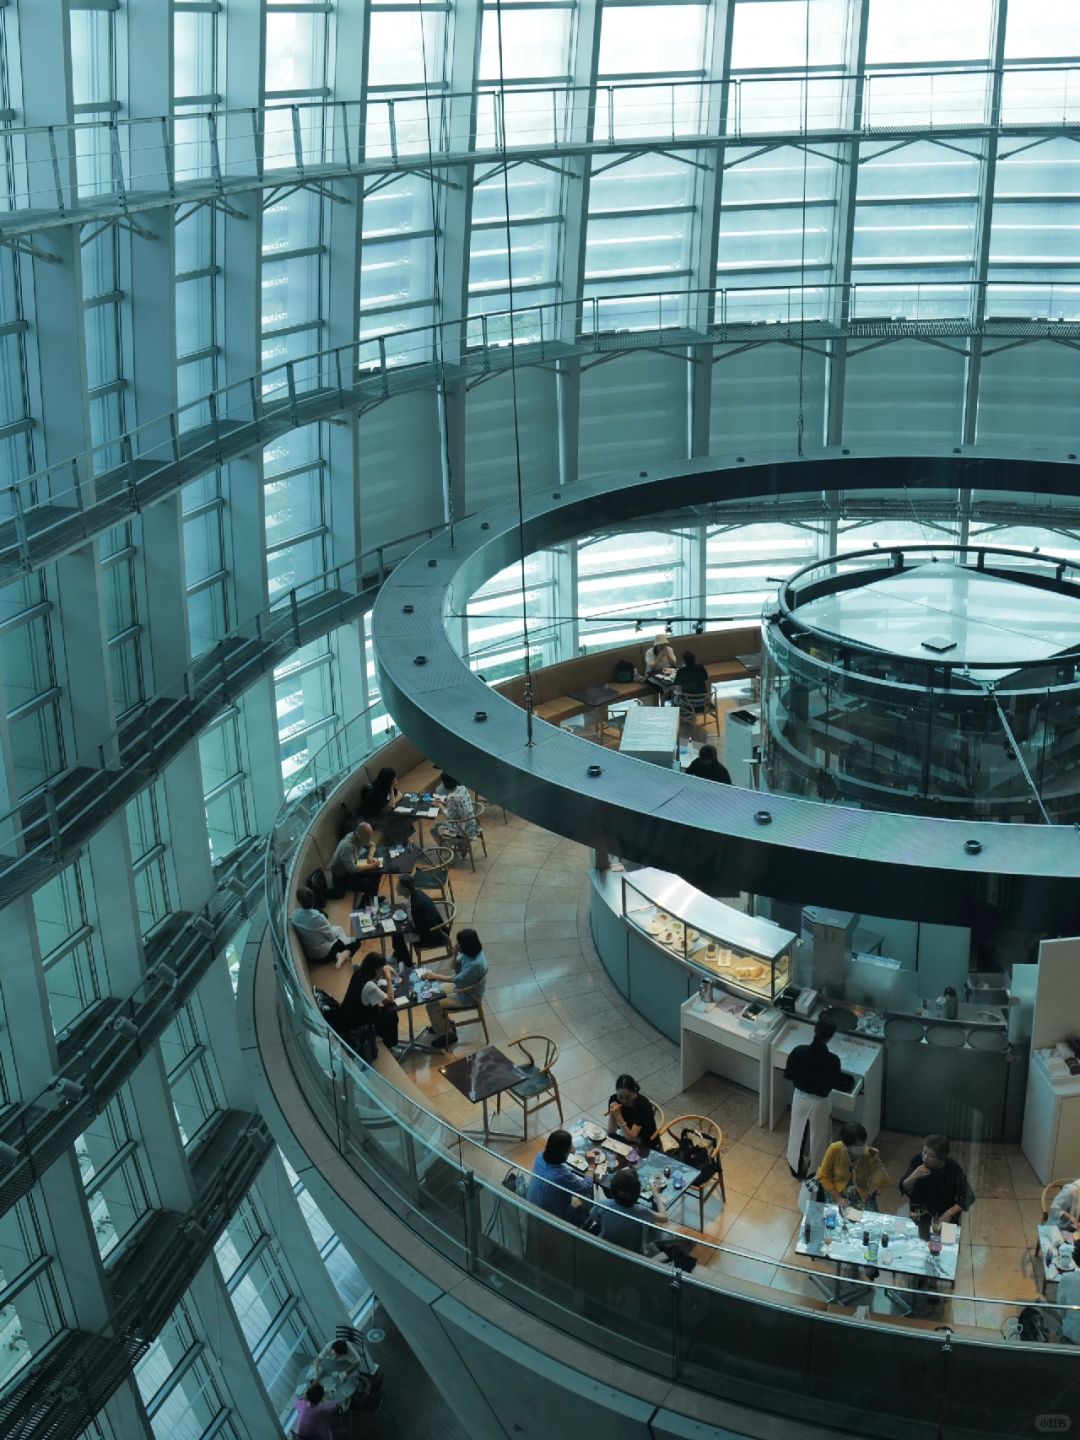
(700, 173)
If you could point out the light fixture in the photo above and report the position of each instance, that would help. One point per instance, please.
(165, 972)
(669, 628)
(9, 1156)
(201, 925)
(593, 771)
(699, 627)
(763, 817)
(125, 1026)
(973, 847)
(480, 716)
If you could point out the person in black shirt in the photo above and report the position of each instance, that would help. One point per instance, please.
(708, 767)
(935, 1184)
(815, 1072)
(425, 919)
(692, 683)
(630, 1114)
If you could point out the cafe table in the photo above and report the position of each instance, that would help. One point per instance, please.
(597, 698)
(419, 808)
(675, 1176)
(905, 1254)
(482, 1076)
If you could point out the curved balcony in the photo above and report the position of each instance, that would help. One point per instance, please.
(113, 169)
(615, 1340)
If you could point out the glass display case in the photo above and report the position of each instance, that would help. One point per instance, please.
(747, 955)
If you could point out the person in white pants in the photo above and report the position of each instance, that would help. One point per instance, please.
(815, 1073)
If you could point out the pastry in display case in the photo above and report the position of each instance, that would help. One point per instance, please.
(747, 955)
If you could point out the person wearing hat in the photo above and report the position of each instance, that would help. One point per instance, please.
(660, 666)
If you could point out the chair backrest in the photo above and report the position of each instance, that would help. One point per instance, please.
(548, 1055)
(658, 1112)
(708, 1129)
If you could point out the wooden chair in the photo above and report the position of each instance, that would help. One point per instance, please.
(440, 935)
(713, 1136)
(475, 1016)
(432, 871)
(468, 842)
(658, 1115)
(480, 805)
(1048, 1194)
(539, 1078)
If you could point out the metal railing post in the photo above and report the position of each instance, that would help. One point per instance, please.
(290, 379)
(382, 365)
(298, 141)
(294, 612)
(167, 152)
(57, 182)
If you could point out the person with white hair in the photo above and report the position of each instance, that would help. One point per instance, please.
(660, 666)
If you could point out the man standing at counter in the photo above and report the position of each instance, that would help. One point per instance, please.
(815, 1073)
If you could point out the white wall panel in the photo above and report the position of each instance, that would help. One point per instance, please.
(755, 400)
(401, 482)
(1030, 395)
(633, 411)
(490, 468)
(908, 392)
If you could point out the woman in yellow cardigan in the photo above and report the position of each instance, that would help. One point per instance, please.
(851, 1172)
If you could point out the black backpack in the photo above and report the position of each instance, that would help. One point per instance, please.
(624, 672)
(1031, 1326)
(316, 883)
(694, 1149)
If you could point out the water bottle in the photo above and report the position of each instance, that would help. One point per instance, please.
(806, 1229)
(633, 1157)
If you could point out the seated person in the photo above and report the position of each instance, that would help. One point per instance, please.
(459, 816)
(554, 1185)
(469, 979)
(935, 1184)
(340, 1359)
(851, 1172)
(315, 1415)
(426, 921)
(319, 940)
(660, 665)
(692, 683)
(1064, 1209)
(376, 1004)
(624, 1218)
(708, 767)
(377, 802)
(354, 867)
(367, 1002)
(630, 1114)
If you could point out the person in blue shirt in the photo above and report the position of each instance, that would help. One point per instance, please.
(623, 1217)
(554, 1185)
(469, 980)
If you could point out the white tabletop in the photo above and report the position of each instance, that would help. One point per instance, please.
(905, 1253)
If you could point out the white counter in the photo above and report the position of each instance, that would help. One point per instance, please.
(1051, 1136)
(716, 1038)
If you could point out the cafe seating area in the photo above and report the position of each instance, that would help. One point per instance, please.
(550, 1007)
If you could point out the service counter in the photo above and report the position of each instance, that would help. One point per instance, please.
(660, 940)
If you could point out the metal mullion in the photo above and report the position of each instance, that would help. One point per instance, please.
(318, 532)
(307, 666)
(124, 637)
(210, 101)
(296, 329)
(643, 212)
(107, 297)
(198, 1052)
(208, 583)
(318, 464)
(208, 352)
(101, 1177)
(156, 852)
(258, 1247)
(24, 1278)
(533, 220)
(301, 253)
(126, 552)
(216, 502)
(64, 949)
(24, 617)
(273, 1330)
(39, 702)
(225, 787)
(187, 1360)
(207, 272)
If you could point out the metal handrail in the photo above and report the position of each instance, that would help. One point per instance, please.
(70, 501)
(66, 167)
(837, 569)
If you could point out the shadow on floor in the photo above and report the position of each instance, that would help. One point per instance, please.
(412, 1403)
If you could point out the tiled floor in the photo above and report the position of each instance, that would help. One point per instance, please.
(529, 902)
